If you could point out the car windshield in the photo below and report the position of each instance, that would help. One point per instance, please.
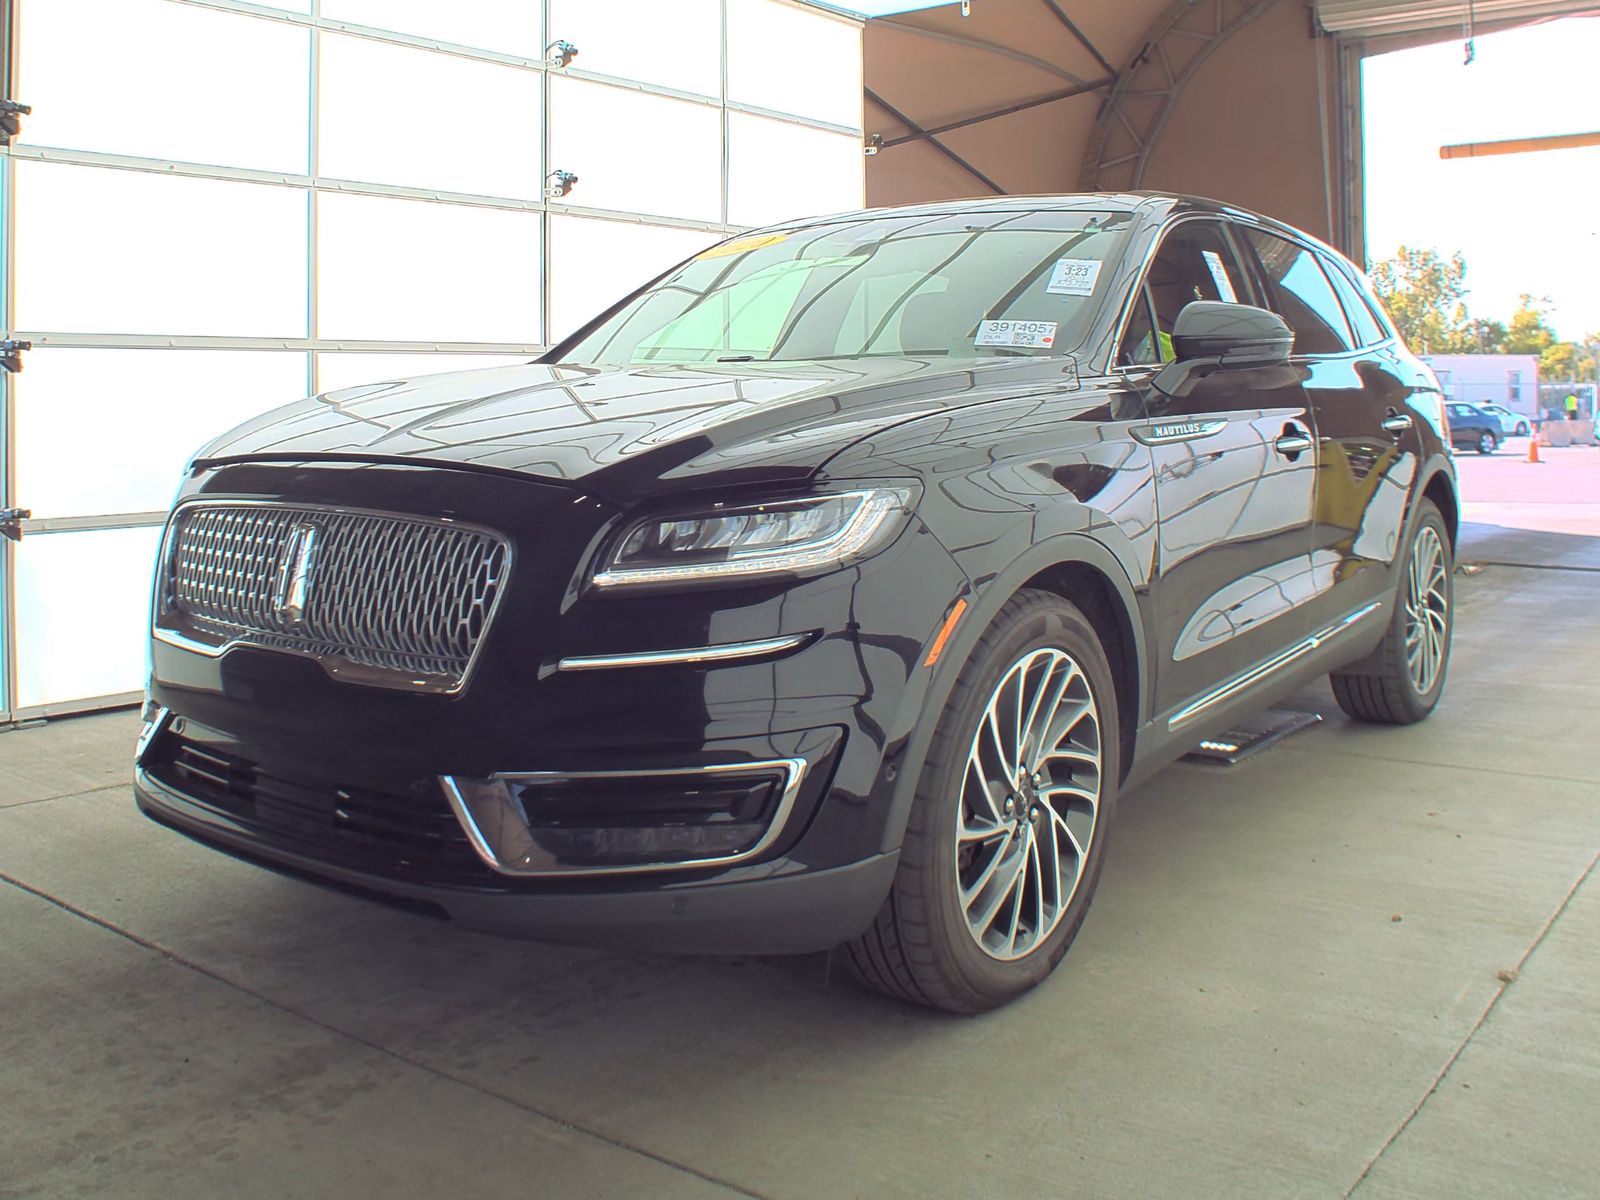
(954, 285)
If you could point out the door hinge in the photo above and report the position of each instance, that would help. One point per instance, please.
(11, 114)
(11, 520)
(11, 354)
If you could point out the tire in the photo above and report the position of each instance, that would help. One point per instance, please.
(1522, 429)
(1487, 442)
(926, 945)
(1404, 688)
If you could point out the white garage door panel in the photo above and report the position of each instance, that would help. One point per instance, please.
(95, 445)
(335, 371)
(1360, 18)
(785, 58)
(764, 183)
(593, 264)
(183, 83)
(109, 251)
(410, 270)
(509, 26)
(676, 45)
(635, 152)
(83, 602)
(391, 114)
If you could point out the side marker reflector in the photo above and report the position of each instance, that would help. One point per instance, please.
(945, 631)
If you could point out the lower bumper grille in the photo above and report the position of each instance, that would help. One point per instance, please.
(411, 835)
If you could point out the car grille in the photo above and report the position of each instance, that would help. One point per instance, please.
(400, 833)
(379, 598)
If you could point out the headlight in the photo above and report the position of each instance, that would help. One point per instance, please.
(781, 538)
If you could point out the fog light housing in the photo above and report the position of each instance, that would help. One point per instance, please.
(578, 823)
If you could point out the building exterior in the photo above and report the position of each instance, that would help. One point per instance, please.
(259, 200)
(1508, 379)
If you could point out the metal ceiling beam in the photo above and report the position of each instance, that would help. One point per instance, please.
(972, 43)
(1073, 29)
(992, 114)
(922, 134)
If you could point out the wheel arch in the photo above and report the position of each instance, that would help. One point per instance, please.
(1441, 490)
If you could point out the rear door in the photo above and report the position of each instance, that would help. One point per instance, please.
(1366, 440)
(1233, 493)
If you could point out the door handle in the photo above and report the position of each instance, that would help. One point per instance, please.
(1293, 442)
(1396, 422)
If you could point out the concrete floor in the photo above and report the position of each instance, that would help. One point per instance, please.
(1365, 963)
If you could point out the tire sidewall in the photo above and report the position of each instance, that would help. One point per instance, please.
(1487, 442)
(1421, 704)
(1043, 621)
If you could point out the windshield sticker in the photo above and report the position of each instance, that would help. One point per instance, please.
(1219, 276)
(1073, 277)
(740, 245)
(1032, 335)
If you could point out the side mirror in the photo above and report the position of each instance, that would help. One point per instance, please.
(1213, 335)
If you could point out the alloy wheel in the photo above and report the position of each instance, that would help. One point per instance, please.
(1427, 610)
(1030, 797)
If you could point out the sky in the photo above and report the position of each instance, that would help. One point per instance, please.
(1523, 222)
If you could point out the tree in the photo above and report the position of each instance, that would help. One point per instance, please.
(1426, 294)
(1487, 337)
(1568, 362)
(1530, 331)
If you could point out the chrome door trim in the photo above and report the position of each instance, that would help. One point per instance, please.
(1398, 423)
(723, 652)
(1272, 666)
(793, 770)
(1166, 432)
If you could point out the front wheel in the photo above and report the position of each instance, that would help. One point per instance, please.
(1522, 429)
(1007, 829)
(1487, 442)
(1406, 675)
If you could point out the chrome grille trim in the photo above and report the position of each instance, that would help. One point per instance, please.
(394, 600)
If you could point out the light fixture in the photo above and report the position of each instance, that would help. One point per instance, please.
(558, 183)
(874, 144)
(560, 54)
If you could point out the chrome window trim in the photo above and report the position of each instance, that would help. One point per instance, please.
(1272, 666)
(722, 652)
(337, 667)
(793, 770)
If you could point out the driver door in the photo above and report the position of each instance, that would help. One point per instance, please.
(1235, 467)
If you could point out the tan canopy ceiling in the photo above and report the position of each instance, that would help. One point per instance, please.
(1256, 102)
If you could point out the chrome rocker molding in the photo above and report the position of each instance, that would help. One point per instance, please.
(1272, 666)
(493, 849)
(726, 652)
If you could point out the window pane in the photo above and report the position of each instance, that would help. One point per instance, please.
(636, 152)
(410, 270)
(396, 115)
(782, 57)
(335, 370)
(593, 264)
(1194, 263)
(108, 251)
(169, 81)
(777, 172)
(1139, 344)
(82, 608)
(677, 45)
(109, 431)
(1302, 295)
(509, 26)
(1368, 331)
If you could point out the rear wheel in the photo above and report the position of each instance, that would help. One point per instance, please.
(1487, 442)
(1007, 830)
(1522, 429)
(1410, 665)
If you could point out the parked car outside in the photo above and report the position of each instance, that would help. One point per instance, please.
(1472, 428)
(1512, 424)
(827, 591)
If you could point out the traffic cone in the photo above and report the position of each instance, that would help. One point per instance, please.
(1533, 447)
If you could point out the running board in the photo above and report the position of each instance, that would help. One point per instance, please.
(1193, 711)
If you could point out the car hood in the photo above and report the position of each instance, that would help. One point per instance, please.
(625, 432)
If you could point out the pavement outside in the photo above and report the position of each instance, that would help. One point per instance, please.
(1364, 963)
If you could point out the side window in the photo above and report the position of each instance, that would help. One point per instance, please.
(1368, 331)
(1302, 294)
(1514, 385)
(1139, 345)
(1195, 262)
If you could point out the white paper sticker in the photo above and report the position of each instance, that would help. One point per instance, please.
(1033, 335)
(1219, 276)
(1073, 277)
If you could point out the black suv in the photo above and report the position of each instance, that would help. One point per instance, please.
(1471, 428)
(825, 592)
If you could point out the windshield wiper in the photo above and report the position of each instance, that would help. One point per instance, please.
(737, 358)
